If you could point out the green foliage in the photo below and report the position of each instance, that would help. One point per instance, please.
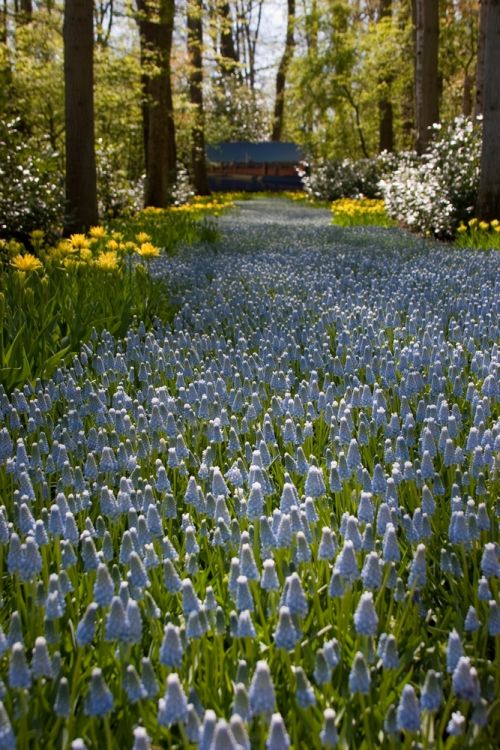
(169, 228)
(339, 78)
(34, 76)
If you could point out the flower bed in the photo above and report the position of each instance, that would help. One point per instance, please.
(274, 521)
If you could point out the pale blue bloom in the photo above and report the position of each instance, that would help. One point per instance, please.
(359, 676)
(278, 738)
(329, 735)
(19, 672)
(286, 634)
(173, 708)
(454, 651)
(408, 710)
(99, 700)
(261, 692)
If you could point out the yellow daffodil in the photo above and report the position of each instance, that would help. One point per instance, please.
(462, 228)
(484, 225)
(78, 241)
(473, 222)
(112, 245)
(107, 261)
(143, 237)
(495, 223)
(148, 250)
(97, 233)
(26, 263)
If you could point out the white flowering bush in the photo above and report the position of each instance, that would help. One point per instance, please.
(31, 189)
(183, 189)
(117, 195)
(329, 180)
(416, 196)
(434, 192)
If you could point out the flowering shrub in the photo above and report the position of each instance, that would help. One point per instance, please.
(330, 180)
(183, 190)
(272, 522)
(31, 191)
(117, 195)
(434, 192)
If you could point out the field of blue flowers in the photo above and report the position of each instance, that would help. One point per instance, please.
(273, 523)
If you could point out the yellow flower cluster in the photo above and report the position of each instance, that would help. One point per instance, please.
(359, 211)
(474, 225)
(100, 249)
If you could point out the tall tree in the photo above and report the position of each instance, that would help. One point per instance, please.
(426, 14)
(488, 205)
(155, 19)
(195, 48)
(478, 106)
(279, 102)
(81, 188)
(386, 121)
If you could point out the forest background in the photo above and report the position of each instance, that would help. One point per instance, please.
(343, 78)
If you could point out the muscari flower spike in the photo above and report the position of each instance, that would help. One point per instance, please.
(173, 707)
(261, 691)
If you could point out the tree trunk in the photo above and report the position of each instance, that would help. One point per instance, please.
(156, 23)
(3, 23)
(279, 103)
(386, 119)
(229, 62)
(195, 47)
(426, 69)
(478, 107)
(488, 205)
(81, 190)
(25, 14)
